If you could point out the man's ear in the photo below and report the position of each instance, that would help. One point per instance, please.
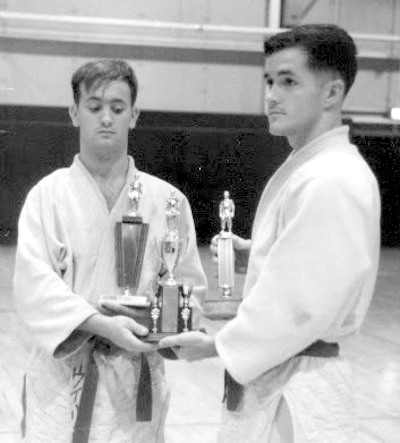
(134, 118)
(335, 92)
(73, 111)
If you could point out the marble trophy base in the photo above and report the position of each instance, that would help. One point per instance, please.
(217, 309)
(134, 301)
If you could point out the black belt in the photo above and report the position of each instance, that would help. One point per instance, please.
(233, 391)
(321, 349)
(144, 401)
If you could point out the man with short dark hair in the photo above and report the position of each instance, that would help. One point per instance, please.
(313, 260)
(90, 377)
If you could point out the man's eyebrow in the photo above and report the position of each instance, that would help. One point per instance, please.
(113, 101)
(92, 97)
(281, 72)
(118, 101)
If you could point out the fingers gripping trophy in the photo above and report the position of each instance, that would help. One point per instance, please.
(226, 260)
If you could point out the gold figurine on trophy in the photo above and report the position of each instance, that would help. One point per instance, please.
(135, 192)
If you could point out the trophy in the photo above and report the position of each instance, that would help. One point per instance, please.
(170, 311)
(131, 238)
(226, 258)
(165, 308)
(224, 304)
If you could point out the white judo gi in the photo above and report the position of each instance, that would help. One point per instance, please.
(66, 259)
(311, 275)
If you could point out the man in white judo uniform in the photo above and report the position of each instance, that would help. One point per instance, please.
(87, 369)
(314, 254)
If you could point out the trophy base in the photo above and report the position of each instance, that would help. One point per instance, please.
(139, 310)
(132, 301)
(223, 305)
(155, 337)
(136, 301)
(225, 309)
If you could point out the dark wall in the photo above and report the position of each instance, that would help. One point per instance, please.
(383, 155)
(201, 154)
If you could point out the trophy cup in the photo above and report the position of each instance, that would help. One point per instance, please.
(170, 310)
(131, 238)
(186, 311)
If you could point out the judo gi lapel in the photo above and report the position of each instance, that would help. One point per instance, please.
(87, 191)
(272, 192)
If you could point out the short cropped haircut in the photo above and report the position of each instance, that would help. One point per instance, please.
(101, 72)
(329, 48)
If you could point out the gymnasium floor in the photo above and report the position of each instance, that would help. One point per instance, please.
(197, 387)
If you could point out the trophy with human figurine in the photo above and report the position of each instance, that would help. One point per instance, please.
(226, 257)
(223, 303)
(131, 239)
(165, 308)
(171, 312)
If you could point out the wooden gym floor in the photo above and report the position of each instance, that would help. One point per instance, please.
(197, 387)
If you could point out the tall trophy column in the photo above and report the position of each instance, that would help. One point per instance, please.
(131, 238)
(222, 302)
(226, 257)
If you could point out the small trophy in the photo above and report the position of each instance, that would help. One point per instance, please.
(226, 258)
(131, 237)
(186, 311)
(170, 310)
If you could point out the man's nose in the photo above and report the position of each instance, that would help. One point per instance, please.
(271, 93)
(106, 118)
(271, 98)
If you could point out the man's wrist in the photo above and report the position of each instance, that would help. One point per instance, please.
(97, 324)
(212, 350)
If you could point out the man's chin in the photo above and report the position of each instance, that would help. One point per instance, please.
(276, 130)
(107, 150)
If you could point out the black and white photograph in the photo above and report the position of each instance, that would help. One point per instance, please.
(200, 221)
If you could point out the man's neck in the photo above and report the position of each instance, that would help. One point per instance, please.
(109, 175)
(298, 141)
(105, 169)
